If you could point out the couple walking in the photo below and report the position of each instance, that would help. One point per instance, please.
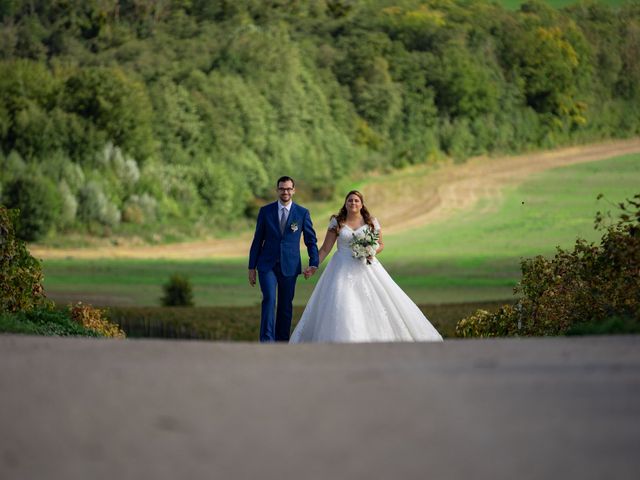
(355, 299)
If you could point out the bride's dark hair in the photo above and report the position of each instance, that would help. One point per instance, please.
(341, 217)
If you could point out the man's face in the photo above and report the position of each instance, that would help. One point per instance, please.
(286, 191)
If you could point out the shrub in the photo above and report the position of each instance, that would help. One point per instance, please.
(140, 209)
(23, 305)
(11, 166)
(119, 171)
(79, 320)
(95, 320)
(43, 321)
(69, 204)
(39, 204)
(177, 292)
(591, 289)
(94, 206)
(20, 273)
(456, 138)
(487, 324)
(218, 190)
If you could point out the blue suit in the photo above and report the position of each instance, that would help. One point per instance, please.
(277, 257)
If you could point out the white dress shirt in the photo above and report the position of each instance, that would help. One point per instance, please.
(285, 207)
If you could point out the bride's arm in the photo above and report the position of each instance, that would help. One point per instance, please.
(380, 242)
(327, 245)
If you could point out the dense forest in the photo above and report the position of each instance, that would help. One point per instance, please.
(176, 116)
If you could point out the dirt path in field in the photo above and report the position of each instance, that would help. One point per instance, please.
(414, 198)
(453, 188)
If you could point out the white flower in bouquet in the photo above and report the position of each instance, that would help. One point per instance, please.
(364, 245)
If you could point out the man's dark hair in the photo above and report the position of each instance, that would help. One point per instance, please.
(286, 179)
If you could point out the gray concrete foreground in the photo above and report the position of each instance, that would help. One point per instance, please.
(513, 409)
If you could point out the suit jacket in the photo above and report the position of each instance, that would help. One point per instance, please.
(269, 246)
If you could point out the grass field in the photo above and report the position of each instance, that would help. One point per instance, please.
(549, 209)
(473, 256)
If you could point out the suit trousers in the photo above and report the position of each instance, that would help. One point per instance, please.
(275, 323)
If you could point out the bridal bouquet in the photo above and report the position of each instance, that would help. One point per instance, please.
(364, 245)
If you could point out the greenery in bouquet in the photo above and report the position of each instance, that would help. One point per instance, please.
(364, 245)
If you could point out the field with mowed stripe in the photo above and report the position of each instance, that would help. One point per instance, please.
(473, 255)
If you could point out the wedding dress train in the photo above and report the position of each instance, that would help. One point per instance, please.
(357, 302)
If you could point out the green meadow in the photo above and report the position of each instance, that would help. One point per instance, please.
(473, 256)
(549, 209)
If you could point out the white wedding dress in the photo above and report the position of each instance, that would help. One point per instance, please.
(357, 302)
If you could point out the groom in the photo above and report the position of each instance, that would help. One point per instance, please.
(275, 253)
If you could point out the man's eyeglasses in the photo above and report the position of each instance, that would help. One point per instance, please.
(285, 189)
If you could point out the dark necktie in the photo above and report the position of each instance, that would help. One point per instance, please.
(283, 220)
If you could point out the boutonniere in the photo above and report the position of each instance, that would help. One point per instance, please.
(294, 226)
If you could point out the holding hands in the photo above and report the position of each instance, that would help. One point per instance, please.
(309, 271)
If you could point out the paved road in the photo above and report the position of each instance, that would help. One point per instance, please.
(150, 409)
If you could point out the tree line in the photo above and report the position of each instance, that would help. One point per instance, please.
(137, 116)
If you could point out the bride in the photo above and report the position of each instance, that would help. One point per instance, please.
(355, 299)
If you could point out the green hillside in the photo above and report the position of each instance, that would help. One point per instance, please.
(169, 120)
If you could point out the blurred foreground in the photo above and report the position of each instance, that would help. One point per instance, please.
(485, 409)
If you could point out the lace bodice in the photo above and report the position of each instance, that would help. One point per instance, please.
(346, 234)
